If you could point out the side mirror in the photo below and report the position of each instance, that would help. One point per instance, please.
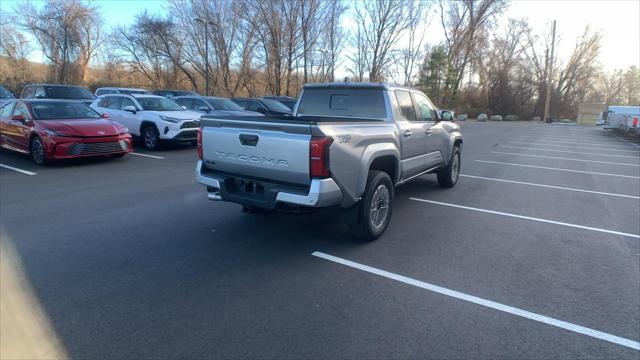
(261, 110)
(131, 109)
(105, 116)
(19, 117)
(203, 108)
(446, 115)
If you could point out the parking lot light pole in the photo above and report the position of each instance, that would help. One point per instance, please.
(206, 53)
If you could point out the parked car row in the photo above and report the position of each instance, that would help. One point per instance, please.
(52, 121)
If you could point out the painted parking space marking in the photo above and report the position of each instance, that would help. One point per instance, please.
(145, 155)
(568, 159)
(575, 147)
(614, 145)
(547, 221)
(17, 169)
(484, 302)
(569, 151)
(557, 169)
(550, 186)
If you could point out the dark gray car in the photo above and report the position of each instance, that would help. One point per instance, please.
(213, 105)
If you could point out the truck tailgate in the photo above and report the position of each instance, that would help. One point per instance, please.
(258, 148)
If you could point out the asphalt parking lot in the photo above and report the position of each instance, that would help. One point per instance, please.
(534, 254)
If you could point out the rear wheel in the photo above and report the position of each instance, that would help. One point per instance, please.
(448, 177)
(376, 206)
(38, 151)
(151, 138)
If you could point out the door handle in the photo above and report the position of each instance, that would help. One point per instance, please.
(407, 133)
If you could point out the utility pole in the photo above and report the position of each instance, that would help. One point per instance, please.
(206, 53)
(547, 100)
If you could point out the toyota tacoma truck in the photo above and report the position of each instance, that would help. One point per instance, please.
(347, 145)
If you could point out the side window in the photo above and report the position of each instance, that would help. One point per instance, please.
(5, 113)
(406, 105)
(40, 93)
(114, 102)
(199, 103)
(126, 102)
(27, 93)
(255, 106)
(188, 103)
(242, 103)
(21, 109)
(104, 102)
(426, 112)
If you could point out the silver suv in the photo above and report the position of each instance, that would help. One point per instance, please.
(347, 145)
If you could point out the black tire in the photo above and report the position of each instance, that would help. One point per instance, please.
(448, 177)
(37, 151)
(376, 206)
(151, 138)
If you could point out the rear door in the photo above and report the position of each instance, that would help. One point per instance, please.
(5, 117)
(413, 137)
(436, 135)
(17, 132)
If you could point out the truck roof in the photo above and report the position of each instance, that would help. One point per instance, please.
(367, 85)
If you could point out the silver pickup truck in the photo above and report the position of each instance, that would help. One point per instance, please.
(347, 145)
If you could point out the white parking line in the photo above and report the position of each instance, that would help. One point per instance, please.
(568, 151)
(149, 156)
(18, 170)
(575, 147)
(558, 169)
(563, 158)
(566, 142)
(613, 232)
(551, 186)
(484, 302)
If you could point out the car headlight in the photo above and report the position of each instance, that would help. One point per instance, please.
(170, 119)
(123, 131)
(56, 133)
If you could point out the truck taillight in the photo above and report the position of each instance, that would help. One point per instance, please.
(319, 156)
(200, 143)
(635, 122)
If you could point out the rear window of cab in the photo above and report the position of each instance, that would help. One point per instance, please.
(347, 102)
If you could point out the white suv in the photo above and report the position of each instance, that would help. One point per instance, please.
(153, 118)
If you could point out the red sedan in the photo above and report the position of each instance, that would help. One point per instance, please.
(59, 129)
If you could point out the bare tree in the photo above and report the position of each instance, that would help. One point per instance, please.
(68, 33)
(461, 21)
(381, 24)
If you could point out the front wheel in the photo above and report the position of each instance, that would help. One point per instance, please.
(151, 138)
(38, 151)
(448, 177)
(375, 207)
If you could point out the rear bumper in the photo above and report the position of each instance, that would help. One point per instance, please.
(321, 192)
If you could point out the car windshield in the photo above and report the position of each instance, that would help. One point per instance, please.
(5, 94)
(68, 92)
(62, 110)
(224, 104)
(158, 104)
(275, 106)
